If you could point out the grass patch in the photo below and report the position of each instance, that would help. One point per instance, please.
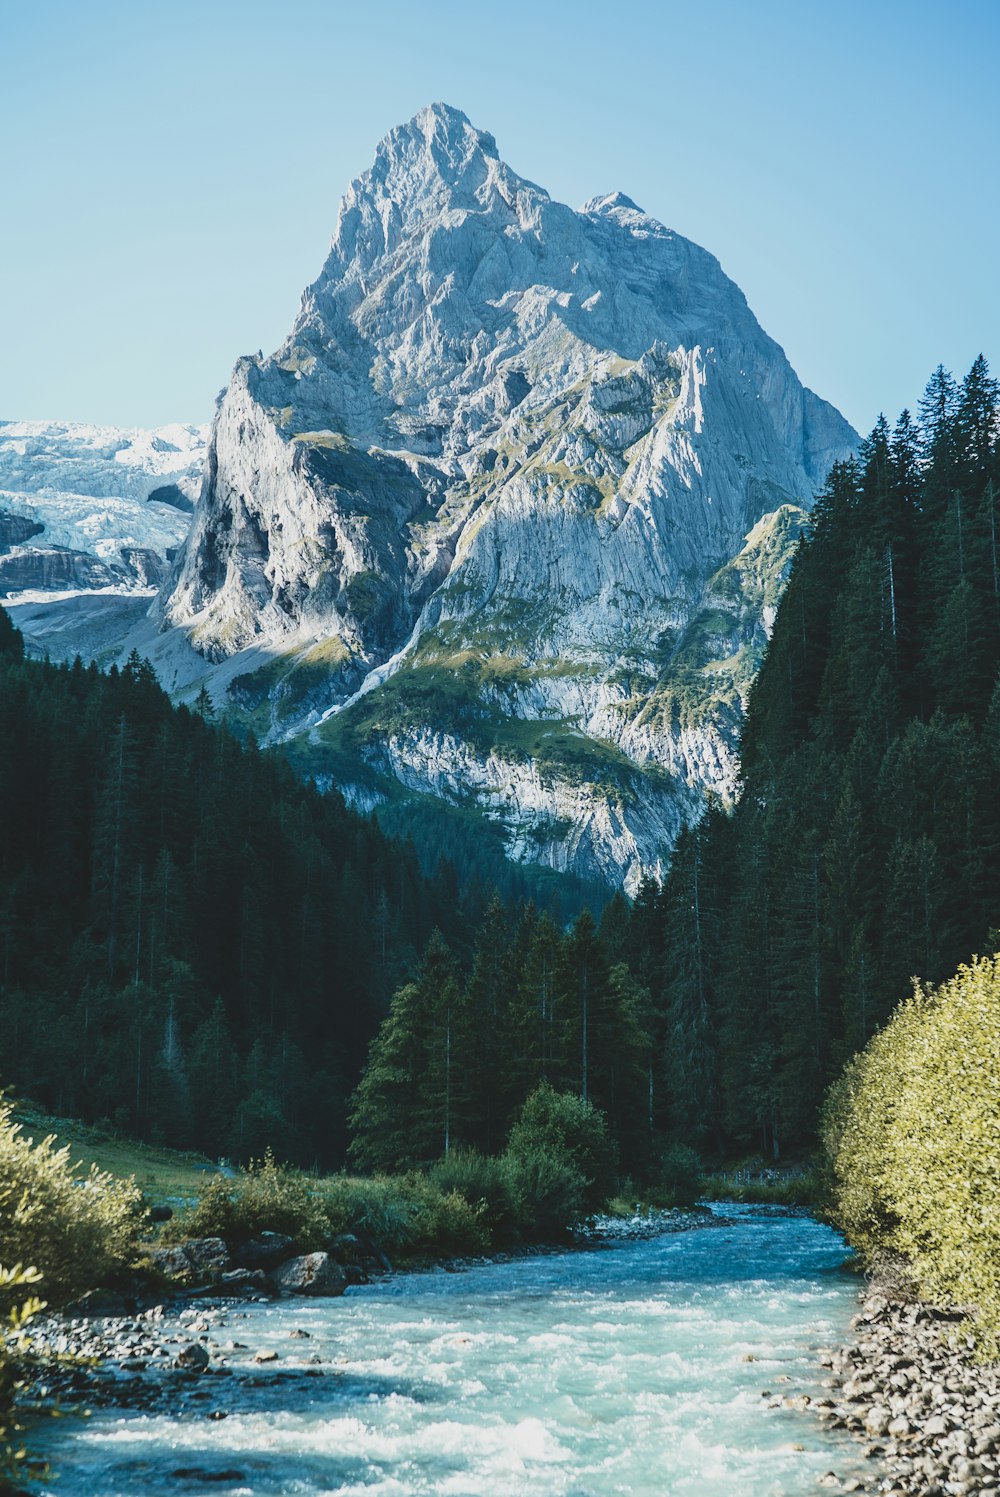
(161, 1174)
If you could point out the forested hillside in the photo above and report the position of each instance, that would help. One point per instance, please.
(866, 846)
(200, 947)
(194, 944)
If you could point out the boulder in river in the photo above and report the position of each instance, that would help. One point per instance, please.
(245, 1281)
(199, 1257)
(265, 1251)
(313, 1273)
(194, 1357)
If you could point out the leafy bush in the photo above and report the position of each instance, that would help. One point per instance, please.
(402, 1216)
(407, 1217)
(807, 1189)
(445, 1222)
(265, 1197)
(912, 1132)
(484, 1183)
(560, 1123)
(18, 1312)
(859, 1136)
(76, 1230)
(375, 1208)
(547, 1190)
(559, 1163)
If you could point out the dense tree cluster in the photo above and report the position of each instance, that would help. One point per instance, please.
(199, 946)
(194, 944)
(465, 1045)
(864, 849)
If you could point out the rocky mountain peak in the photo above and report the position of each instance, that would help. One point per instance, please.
(612, 202)
(436, 165)
(511, 504)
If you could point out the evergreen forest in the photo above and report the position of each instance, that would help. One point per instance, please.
(204, 950)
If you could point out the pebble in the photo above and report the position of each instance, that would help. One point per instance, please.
(908, 1384)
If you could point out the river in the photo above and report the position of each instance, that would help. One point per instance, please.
(636, 1369)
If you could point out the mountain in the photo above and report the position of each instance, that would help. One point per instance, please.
(90, 519)
(506, 517)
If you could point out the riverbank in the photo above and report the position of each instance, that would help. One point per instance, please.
(909, 1387)
(628, 1367)
(163, 1354)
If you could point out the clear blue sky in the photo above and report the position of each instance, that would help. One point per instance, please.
(171, 171)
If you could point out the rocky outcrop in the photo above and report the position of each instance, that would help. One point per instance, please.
(197, 1257)
(263, 1252)
(519, 473)
(52, 568)
(147, 566)
(312, 1274)
(16, 529)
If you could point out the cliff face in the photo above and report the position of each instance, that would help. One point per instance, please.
(503, 519)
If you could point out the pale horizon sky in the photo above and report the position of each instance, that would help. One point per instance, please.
(172, 171)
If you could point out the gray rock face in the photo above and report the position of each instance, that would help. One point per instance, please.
(199, 1257)
(312, 1274)
(16, 529)
(50, 568)
(265, 1251)
(508, 511)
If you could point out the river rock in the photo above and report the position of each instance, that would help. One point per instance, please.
(265, 1251)
(207, 1255)
(877, 1421)
(194, 1357)
(200, 1258)
(313, 1273)
(245, 1281)
(172, 1262)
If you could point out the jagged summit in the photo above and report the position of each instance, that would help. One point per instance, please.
(610, 202)
(546, 461)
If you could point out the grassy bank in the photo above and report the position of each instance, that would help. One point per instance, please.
(753, 1184)
(164, 1176)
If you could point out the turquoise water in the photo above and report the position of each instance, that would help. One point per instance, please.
(623, 1370)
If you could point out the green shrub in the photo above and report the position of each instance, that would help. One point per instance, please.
(484, 1183)
(912, 1132)
(563, 1124)
(858, 1132)
(807, 1189)
(76, 1230)
(444, 1222)
(407, 1217)
(265, 1197)
(373, 1207)
(14, 1460)
(547, 1190)
(559, 1164)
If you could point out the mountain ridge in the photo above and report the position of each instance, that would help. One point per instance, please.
(500, 474)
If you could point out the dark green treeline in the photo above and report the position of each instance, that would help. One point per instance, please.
(865, 850)
(194, 944)
(866, 845)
